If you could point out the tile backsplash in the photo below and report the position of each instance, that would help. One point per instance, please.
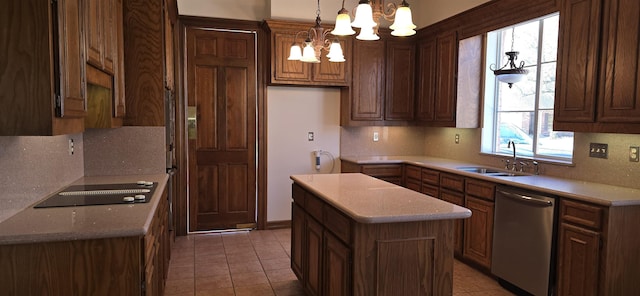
(33, 167)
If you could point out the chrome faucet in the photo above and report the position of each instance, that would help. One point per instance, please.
(510, 145)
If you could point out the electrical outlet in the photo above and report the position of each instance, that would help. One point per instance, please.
(375, 137)
(633, 154)
(598, 150)
(310, 136)
(457, 139)
(71, 147)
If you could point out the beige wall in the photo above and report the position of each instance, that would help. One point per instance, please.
(433, 11)
(358, 141)
(230, 9)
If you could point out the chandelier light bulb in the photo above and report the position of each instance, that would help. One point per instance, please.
(364, 16)
(403, 23)
(343, 24)
(309, 54)
(295, 53)
(335, 52)
(366, 33)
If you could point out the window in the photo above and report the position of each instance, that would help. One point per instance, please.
(524, 113)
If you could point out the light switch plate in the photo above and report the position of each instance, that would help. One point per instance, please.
(598, 150)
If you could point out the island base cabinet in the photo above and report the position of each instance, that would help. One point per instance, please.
(408, 258)
(341, 256)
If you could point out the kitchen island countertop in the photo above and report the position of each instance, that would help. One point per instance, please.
(602, 194)
(369, 200)
(84, 222)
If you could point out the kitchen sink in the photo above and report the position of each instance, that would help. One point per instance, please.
(490, 171)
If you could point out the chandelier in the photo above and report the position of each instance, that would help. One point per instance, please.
(313, 45)
(367, 18)
(514, 73)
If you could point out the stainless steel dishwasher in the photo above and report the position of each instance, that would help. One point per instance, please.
(523, 240)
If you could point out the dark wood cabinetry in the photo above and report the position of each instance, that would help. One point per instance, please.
(42, 91)
(320, 259)
(144, 62)
(436, 79)
(283, 71)
(389, 172)
(128, 266)
(597, 90)
(478, 229)
(382, 86)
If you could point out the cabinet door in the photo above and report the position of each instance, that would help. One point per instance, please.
(110, 35)
(94, 28)
(297, 240)
(337, 267)
(426, 80)
(577, 70)
(313, 267)
(118, 67)
(71, 66)
(478, 231)
(621, 99)
(455, 198)
(446, 65)
(368, 81)
(283, 70)
(333, 73)
(578, 261)
(400, 76)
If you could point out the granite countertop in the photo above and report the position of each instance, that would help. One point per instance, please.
(369, 200)
(84, 222)
(602, 194)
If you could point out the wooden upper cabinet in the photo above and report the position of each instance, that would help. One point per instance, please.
(598, 72)
(576, 84)
(436, 99)
(42, 69)
(382, 87)
(368, 87)
(283, 71)
(101, 33)
(400, 83)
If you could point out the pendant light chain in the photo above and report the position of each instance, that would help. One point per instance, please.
(513, 36)
(318, 10)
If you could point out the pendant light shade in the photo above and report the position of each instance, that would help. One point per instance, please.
(364, 16)
(335, 52)
(343, 24)
(309, 53)
(367, 33)
(295, 53)
(403, 22)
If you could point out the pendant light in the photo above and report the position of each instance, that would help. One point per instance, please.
(367, 18)
(514, 73)
(313, 45)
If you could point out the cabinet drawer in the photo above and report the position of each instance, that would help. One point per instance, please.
(297, 193)
(338, 224)
(456, 198)
(414, 185)
(413, 172)
(431, 190)
(481, 189)
(581, 214)
(431, 177)
(453, 182)
(383, 170)
(313, 206)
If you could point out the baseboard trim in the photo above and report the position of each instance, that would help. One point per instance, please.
(278, 224)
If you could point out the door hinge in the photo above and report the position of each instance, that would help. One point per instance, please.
(58, 100)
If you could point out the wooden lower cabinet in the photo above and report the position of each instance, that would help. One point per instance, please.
(341, 256)
(107, 266)
(455, 198)
(390, 172)
(579, 261)
(478, 231)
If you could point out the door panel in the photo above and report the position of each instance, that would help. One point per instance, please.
(221, 84)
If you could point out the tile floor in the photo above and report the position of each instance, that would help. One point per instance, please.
(257, 263)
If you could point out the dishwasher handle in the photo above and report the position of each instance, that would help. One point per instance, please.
(526, 199)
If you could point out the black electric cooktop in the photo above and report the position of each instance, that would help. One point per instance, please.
(100, 194)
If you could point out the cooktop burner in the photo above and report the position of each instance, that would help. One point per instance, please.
(101, 194)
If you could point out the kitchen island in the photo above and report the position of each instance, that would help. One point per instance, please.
(356, 235)
(117, 249)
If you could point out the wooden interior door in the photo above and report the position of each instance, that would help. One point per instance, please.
(221, 97)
